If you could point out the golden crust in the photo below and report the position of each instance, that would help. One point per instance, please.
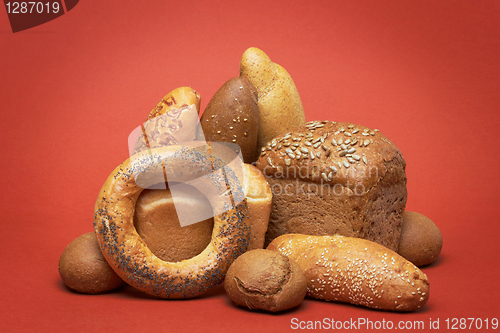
(129, 255)
(280, 107)
(176, 99)
(356, 271)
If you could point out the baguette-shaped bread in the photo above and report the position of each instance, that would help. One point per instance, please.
(355, 271)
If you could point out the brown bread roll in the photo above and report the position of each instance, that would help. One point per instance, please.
(232, 115)
(421, 240)
(83, 268)
(355, 271)
(353, 176)
(265, 280)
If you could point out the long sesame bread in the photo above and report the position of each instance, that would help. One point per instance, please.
(335, 178)
(355, 271)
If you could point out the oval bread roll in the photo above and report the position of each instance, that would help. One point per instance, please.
(280, 107)
(356, 271)
(232, 115)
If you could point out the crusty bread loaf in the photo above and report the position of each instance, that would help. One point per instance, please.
(356, 271)
(335, 178)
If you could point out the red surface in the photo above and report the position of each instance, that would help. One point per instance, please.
(426, 73)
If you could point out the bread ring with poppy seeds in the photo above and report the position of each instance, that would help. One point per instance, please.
(129, 255)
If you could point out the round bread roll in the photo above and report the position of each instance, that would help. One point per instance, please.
(83, 268)
(156, 221)
(421, 240)
(265, 280)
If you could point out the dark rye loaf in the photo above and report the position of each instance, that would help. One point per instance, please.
(335, 178)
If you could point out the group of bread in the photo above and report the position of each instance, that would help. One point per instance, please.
(322, 212)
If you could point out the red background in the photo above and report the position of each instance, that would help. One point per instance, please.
(426, 73)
